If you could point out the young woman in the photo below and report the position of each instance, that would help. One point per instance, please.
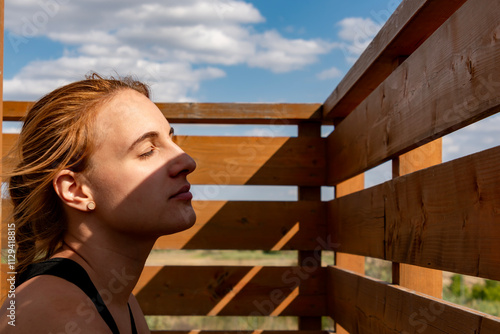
(99, 180)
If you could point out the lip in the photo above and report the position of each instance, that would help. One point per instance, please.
(183, 194)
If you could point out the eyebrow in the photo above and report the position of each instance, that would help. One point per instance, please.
(146, 136)
(171, 132)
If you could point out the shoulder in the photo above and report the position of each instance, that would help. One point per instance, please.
(48, 304)
(140, 320)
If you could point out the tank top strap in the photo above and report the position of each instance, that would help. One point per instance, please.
(72, 272)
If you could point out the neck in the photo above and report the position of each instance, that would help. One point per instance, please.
(114, 264)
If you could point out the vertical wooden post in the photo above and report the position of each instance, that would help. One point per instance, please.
(424, 280)
(309, 129)
(351, 262)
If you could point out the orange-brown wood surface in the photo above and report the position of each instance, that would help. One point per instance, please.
(244, 291)
(247, 160)
(247, 225)
(350, 262)
(410, 25)
(425, 280)
(256, 160)
(304, 257)
(444, 217)
(252, 225)
(355, 223)
(365, 305)
(241, 332)
(220, 113)
(452, 80)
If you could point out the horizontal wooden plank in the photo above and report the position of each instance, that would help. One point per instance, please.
(252, 225)
(365, 305)
(257, 160)
(451, 81)
(444, 217)
(244, 291)
(236, 331)
(410, 25)
(222, 113)
(355, 223)
(246, 160)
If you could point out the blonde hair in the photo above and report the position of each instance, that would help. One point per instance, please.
(57, 134)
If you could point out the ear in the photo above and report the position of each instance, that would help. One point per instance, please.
(71, 190)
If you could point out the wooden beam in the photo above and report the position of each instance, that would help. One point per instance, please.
(351, 262)
(425, 280)
(247, 160)
(366, 305)
(310, 259)
(451, 81)
(410, 25)
(220, 113)
(356, 223)
(242, 291)
(251, 225)
(444, 217)
(235, 331)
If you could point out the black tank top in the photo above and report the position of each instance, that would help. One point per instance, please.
(72, 272)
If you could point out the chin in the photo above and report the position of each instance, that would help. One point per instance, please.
(183, 222)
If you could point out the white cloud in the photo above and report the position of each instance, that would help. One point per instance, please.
(279, 54)
(331, 73)
(169, 81)
(180, 34)
(474, 138)
(356, 33)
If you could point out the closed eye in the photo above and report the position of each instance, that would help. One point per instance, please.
(147, 154)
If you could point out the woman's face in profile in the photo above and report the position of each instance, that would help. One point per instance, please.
(137, 174)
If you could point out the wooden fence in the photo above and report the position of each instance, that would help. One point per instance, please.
(431, 70)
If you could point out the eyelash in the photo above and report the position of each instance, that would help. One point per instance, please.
(148, 153)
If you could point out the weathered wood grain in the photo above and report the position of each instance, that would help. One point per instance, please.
(410, 25)
(351, 262)
(444, 217)
(355, 223)
(235, 331)
(246, 160)
(257, 160)
(246, 225)
(451, 81)
(366, 305)
(252, 225)
(183, 290)
(312, 130)
(220, 113)
(425, 280)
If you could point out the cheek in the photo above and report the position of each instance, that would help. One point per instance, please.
(121, 188)
(108, 188)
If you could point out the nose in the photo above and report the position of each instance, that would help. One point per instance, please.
(182, 164)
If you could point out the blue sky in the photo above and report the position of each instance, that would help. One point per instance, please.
(204, 50)
(191, 50)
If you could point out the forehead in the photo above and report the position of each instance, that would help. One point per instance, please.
(127, 115)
